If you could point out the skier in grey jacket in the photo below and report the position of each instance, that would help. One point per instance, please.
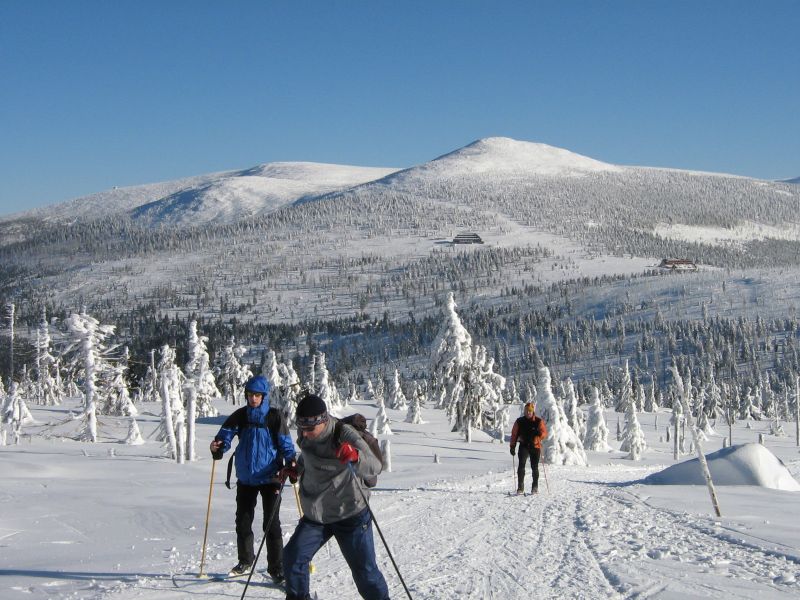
(332, 503)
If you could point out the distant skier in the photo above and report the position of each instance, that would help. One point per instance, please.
(264, 444)
(529, 430)
(332, 503)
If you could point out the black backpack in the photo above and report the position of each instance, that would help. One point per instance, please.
(359, 422)
(272, 423)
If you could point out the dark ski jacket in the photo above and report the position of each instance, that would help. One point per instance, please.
(529, 432)
(258, 460)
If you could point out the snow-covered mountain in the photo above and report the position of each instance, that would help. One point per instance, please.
(308, 238)
(252, 192)
(222, 197)
(504, 157)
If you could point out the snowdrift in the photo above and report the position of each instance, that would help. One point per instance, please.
(745, 464)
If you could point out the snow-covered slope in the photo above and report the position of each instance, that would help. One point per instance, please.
(222, 197)
(500, 157)
(109, 521)
(252, 192)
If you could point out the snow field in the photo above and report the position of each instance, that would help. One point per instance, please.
(108, 521)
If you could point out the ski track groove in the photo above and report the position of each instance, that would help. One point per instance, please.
(582, 540)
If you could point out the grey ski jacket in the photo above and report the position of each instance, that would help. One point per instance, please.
(328, 490)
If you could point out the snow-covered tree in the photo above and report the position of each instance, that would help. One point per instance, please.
(626, 391)
(118, 400)
(414, 414)
(482, 395)
(397, 399)
(231, 374)
(596, 437)
(134, 435)
(353, 397)
(172, 428)
(326, 389)
(269, 369)
(633, 441)
(451, 354)
(88, 337)
(199, 376)
(380, 425)
(48, 381)
(14, 415)
(562, 446)
(285, 397)
(575, 416)
(148, 385)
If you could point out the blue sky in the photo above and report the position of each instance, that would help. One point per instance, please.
(95, 94)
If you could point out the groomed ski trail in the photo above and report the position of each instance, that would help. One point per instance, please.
(588, 537)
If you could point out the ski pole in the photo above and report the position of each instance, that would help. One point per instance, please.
(275, 506)
(541, 462)
(514, 468)
(383, 539)
(208, 516)
(311, 568)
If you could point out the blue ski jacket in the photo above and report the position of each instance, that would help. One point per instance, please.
(258, 456)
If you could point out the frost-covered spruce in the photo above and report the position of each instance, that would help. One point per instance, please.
(326, 388)
(748, 410)
(171, 405)
(650, 402)
(562, 446)
(231, 374)
(288, 392)
(451, 354)
(380, 424)
(596, 437)
(134, 435)
(626, 392)
(575, 416)
(15, 413)
(199, 379)
(269, 369)
(633, 441)
(483, 393)
(87, 337)
(148, 385)
(49, 391)
(397, 399)
(414, 414)
(118, 400)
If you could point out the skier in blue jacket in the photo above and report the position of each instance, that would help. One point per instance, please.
(264, 445)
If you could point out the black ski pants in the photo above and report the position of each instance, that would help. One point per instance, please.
(528, 453)
(246, 498)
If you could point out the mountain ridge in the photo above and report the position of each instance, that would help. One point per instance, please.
(227, 196)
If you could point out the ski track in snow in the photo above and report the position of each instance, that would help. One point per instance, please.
(581, 539)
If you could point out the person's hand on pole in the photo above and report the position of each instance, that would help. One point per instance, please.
(347, 453)
(513, 450)
(216, 449)
(289, 472)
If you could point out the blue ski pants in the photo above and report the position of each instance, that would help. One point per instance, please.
(354, 536)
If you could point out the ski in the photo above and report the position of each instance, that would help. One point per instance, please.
(182, 580)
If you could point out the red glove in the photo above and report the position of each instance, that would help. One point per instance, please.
(347, 453)
(290, 472)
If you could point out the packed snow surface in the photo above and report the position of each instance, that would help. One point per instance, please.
(108, 521)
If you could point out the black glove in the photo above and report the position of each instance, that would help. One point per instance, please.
(216, 454)
(289, 472)
(513, 450)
